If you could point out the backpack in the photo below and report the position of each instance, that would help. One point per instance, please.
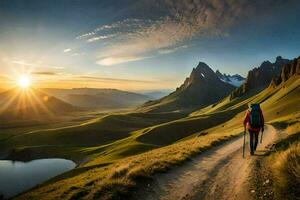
(255, 116)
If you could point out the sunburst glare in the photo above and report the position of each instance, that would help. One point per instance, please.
(24, 82)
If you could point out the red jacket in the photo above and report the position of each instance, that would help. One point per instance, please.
(247, 121)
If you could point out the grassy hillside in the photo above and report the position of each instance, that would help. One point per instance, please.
(74, 142)
(287, 172)
(115, 167)
(32, 105)
(275, 102)
(100, 99)
(285, 161)
(109, 181)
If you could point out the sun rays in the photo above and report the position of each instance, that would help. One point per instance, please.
(24, 82)
(25, 103)
(22, 100)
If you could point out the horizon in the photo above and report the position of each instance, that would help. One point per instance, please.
(14, 83)
(149, 99)
(140, 45)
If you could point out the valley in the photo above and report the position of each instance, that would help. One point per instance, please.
(149, 100)
(115, 151)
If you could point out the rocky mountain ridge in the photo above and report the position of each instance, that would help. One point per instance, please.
(260, 77)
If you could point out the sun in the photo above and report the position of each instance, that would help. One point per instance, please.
(24, 82)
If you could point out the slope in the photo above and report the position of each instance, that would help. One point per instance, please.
(92, 98)
(202, 88)
(276, 101)
(31, 104)
(120, 175)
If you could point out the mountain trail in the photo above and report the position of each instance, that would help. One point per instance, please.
(219, 173)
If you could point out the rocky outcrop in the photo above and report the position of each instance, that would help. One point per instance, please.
(287, 71)
(260, 77)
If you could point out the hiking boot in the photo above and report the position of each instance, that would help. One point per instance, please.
(252, 153)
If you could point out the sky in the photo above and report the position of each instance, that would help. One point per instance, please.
(140, 45)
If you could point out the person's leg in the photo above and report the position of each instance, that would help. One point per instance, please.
(251, 142)
(255, 140)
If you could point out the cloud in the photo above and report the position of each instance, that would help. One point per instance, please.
(177, 24)
(67, 50)
(113, 60)
(146, 39)
(100, 37)
(38, 64)
(97, 78)
(57, 67)
(4, 77)
(85, 35)
(46, 73)
(172, 50)
(78, 53)
(183, 21)
(22, 62)
(96, 38)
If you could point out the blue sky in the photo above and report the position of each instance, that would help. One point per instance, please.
(141, 45)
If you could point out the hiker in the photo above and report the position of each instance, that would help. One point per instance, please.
(254, 123)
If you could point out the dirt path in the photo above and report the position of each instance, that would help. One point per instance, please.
(220, 173)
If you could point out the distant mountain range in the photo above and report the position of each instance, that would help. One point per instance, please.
(156, 94)
(92, 98)
(201, 88)
(204, 86)
(235, 80)
(31, 105)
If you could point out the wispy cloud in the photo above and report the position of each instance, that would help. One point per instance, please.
(96, 38)
(181, 21)
(22, 62)
(78, 54)
(37, 64)
(97, 78)
(45, 73)
(172, 50)
(85, 35)
(113, 60)
(57, 67)
(100, 37)
(67, 50)
(4, 77)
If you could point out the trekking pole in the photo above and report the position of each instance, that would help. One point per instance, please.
(261, 137)
(244, 143)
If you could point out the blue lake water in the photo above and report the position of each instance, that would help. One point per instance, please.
(17, 177)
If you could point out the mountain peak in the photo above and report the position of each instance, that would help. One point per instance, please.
(202, 74)
(266, 64)
(287, 71)
(260, 77)
(235, 80)
(281, 61)
(278, 58)
(202, 65)
(201, 71)
(201, 88)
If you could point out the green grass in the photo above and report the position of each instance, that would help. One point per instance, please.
(117, 179)
(127, 148)
(286, 170)
(285, 162)
(76, 141)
